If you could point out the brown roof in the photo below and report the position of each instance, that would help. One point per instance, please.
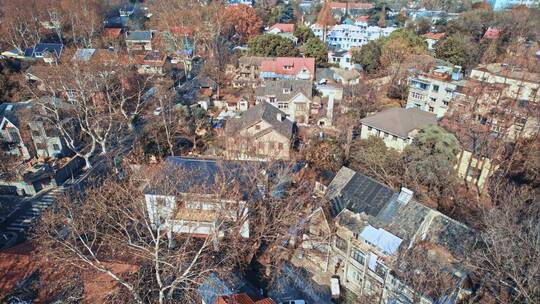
(434, 36)
(284, 27)
(242, 298)
(112, 33)
(19, 262)
(399, 121)
(262, 111)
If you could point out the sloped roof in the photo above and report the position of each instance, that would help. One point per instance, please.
(360, 202)
(283, 27)
(22, 261)
(276, 87)
(9, 111)
(112, 32)
(205, 174)
(343, 5)
(261, 112)
(252, 60)
(242, 298)
(399, 121)
(297, 64)
(492, 33)
(434, 36)
(358, 193)
(139, 35)
(83, 54)
(53, 48)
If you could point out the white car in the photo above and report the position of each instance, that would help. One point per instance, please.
(157, 111)
(293, 302)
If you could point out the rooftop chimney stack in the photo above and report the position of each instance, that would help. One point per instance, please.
(279, 117)
(405, 195)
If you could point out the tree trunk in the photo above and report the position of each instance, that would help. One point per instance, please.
(87, 165)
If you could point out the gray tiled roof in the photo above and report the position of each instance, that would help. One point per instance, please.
(139, 35)
(262, 111)
(358, 200)
(399, 121)
(275, 88)
(252, 60)
(358, 193)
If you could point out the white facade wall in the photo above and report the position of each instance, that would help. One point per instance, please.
(345, 36)
(430, 95)
(390, 140)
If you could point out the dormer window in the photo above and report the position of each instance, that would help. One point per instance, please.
(286, 90)
(287, 67)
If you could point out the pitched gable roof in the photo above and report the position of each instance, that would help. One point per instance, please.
(399, 121)
(357, 193)
(434, 36)
(283, 27)
(261, 112)
(359, 202)
(288, 65)
(276, 88)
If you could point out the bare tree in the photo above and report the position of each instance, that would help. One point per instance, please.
(508, 274)
(19, 25)
(113, 222)
(85, 105)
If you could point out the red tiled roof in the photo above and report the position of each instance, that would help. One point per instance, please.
(295, 64)
(492, 33)
(242, 298)
(362, 19)
(434, 36)
(343, 5)
(182, 30)
(284, 27)
(112, 32)
(19, 262)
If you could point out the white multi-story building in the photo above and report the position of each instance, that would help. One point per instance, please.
(345, 36)
(341, 58)
(507, 4)
(433, 92)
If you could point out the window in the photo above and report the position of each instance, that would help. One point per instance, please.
(394, 138)
(36, 133)
(435, 88)
(417, 95)
(380, 270)
(522, 103)
(341, 244)
(358, 256)
(354, 276)
(283, 105)
(385, 135)
(56, 147)
(433, 99)
(431, 109)
(369, 128)
(287, 67)
(445, 102)
(286, 90)
(520, 123)
(257, 127)
(272, 99)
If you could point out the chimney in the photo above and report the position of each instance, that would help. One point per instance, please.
(405, 195)
(279, 117)
(330, 107)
